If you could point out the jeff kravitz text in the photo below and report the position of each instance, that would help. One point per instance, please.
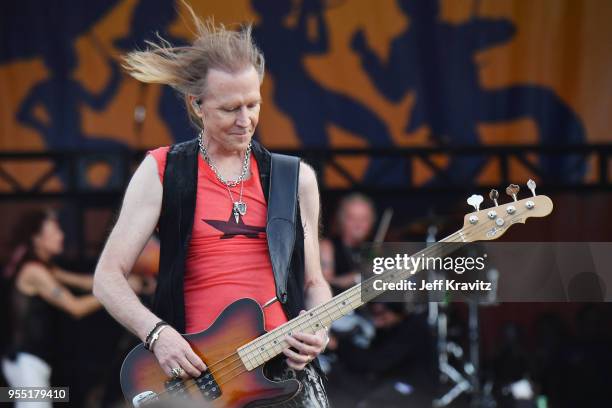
(438, 284)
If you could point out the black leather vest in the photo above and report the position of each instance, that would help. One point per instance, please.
(175, 226)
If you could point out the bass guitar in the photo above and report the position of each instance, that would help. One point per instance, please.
(236, 346)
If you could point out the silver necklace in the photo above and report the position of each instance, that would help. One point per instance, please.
(239, 208)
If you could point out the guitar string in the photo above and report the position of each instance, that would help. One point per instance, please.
(448, 239)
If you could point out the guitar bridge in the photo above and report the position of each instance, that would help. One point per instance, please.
(208, 386)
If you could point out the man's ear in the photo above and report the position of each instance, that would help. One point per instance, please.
(196, 104)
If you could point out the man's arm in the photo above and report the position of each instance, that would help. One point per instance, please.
(137, 220)
(315, 286)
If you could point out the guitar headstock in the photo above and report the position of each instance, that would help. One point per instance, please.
(492, 223)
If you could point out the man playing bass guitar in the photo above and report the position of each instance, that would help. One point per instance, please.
(212, 214)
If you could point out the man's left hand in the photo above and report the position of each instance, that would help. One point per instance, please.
(308, 347)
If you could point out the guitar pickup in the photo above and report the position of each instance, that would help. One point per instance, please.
(208, 386)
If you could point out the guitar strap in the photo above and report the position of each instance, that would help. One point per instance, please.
(281, 229)
(282, 210)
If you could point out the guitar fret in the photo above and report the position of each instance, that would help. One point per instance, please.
(331, 320)
(249, 363)
(338, 307)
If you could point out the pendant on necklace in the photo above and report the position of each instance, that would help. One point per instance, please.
(240, 208)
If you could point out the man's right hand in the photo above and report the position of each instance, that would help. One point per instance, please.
(173, 351)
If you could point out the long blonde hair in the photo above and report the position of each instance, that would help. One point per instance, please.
(185, 68)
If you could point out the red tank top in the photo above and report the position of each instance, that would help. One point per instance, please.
(226, 261)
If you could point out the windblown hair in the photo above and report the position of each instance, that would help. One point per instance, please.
(185, 68)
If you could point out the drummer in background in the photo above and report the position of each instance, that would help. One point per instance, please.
(341, 255)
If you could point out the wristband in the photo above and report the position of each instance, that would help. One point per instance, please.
(156, 336)
(148, 338)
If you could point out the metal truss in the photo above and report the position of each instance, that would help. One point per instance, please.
(63, 178)
(69, 167)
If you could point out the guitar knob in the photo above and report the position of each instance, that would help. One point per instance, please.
(494, 195)
(532, 186)
(512, 190)
(475, 200)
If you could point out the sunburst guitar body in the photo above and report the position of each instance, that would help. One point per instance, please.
(226, 383)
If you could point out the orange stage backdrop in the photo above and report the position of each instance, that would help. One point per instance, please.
(348, 73)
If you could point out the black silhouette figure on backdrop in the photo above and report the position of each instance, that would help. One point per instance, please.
(53, 28)
(48, 25)
(62, 96)
(436, 60)
(310, 106)
(151, 17)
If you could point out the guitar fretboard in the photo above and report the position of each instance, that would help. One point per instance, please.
(271, 344)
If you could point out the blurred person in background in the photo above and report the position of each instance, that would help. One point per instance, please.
(340, 263)
(39, 296)
(341, 255)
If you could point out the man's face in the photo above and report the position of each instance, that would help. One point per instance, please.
(230, 108)
(357, 220)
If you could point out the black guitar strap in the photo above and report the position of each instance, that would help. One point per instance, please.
(282, 206)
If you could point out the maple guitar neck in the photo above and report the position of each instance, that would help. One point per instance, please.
(481, 225)
(271, 344)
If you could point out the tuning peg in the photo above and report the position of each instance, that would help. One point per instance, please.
(494, 195)
(532, 186)
(475, 200)
(512, 190)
